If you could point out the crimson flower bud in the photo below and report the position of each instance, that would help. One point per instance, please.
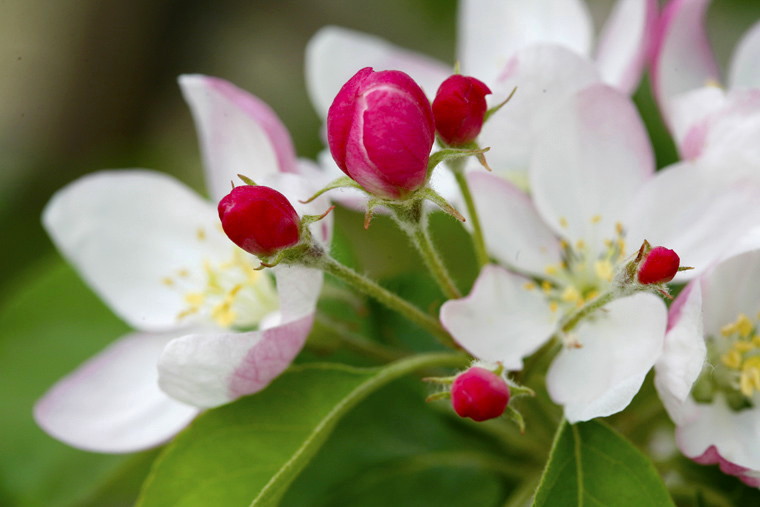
(659, 266)
(479, 394)
(260, 220)
(380, 131)
(459, 109)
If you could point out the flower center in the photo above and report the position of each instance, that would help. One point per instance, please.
(230, 293)
(734, 356)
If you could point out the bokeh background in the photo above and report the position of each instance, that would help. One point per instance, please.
(91, 84)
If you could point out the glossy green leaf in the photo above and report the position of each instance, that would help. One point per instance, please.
(251, 450)
(591, 464)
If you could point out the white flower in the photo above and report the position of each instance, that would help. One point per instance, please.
(209, 327)
(595, 199)
(709, 374)
(542, 47)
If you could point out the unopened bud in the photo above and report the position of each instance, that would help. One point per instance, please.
(459, 108)
(659, 265)
(380, 131)
(260, 220)
(479, 394)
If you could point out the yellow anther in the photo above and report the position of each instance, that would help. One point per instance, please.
(168, 281)
(194, 299)
(571, 295)
(200, 234)
(580, 244)
(564, 244)
(546, 286)
(732, 359)
(183, 273)
(596, 219)
(223, 314)
(756, 341)
(591, 295)
(604, 270)
(619, 229)
(563, 222)
(553, 306)
(551, 269)
(728, 329)
(750, 377)
(744, 326)
(529, 286)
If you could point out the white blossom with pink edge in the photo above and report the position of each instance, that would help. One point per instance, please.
(210, 328)
(595, 199)
(709, 116)
(544, 48)
(705, 375)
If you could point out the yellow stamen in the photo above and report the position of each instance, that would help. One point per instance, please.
(604, 270)
(596, 219)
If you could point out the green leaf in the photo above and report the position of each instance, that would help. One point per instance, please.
(253, 449)
(591, 464)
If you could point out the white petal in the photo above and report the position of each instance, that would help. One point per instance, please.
(492, 31)
(730, 289)
(696, 212)
(689, 113)
(335, 54)
(617, 350)
(500, 320)
(683, 59)
(684, 351)
(127, 231)
(210, 369)
(544, 77)
(735, 435)
(744, 71)
(207, 370)
(594, 156)
(238, 133)
(625, 42)
(112, 402)
(514, 231)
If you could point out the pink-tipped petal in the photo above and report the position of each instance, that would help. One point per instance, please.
(544, 76)
(334, 54)
(617, 350)
(210, 369)
(112, 403)
(594, 156)
(684, 352)
(501, 319)
(514, 231)
(691, 119)
(744, 70)
(682, 57)
(238, 133)
(719, 434)
(128, 232)
(491, 32)
(625, 43)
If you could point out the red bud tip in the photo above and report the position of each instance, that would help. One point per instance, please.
(260, 220)
(380, 132)
(659, 266)
(479, 394)
(459, 109)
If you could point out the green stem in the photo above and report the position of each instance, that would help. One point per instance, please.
(413, 221)
(478, 241)
(585, 310)
(387, 298)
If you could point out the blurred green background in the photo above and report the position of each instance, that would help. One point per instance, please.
(91, 84)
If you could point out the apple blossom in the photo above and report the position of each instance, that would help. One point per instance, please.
(209, 328)
(595, 199)
(541, 47)
(459, 108)
(380, 131)
(709, 374)
(479, 394)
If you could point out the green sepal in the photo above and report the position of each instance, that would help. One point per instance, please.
(514, 415)
(246, 180)
(434, 197)
(342, 182)
(495, 108)
(452, 153)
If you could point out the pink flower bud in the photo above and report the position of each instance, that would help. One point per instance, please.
(479, 394)
(659, 266)
(260, 220)
(380, 131)
(459, 108)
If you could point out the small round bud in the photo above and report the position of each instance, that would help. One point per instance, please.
(659, 266)
(479, 394)
(380, 132)
(260, 220)
(459, 109)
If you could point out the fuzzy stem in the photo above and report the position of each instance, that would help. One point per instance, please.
(478, 241)
(387, 298)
